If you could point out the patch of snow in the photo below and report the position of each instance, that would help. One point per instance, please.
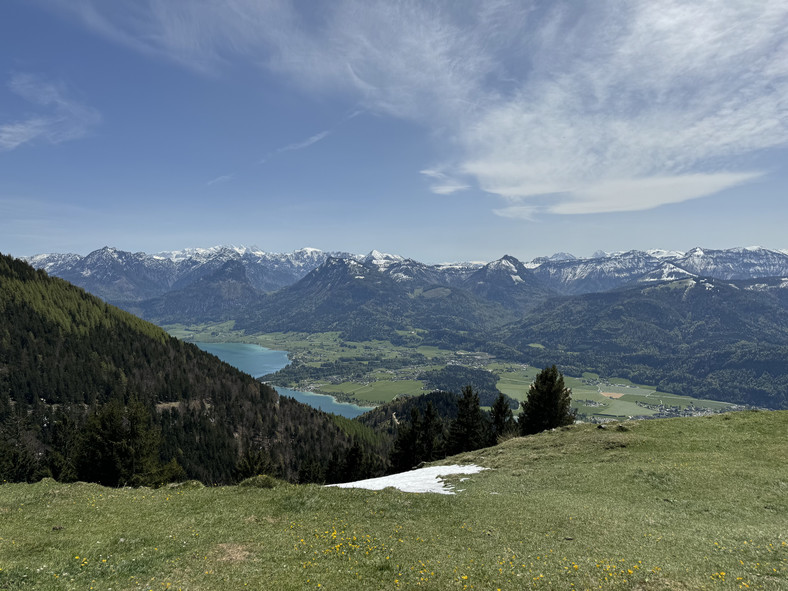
(517, 279)
(563, 256)
(382, 260)
(466, 265)
(659, 253)
(422, 480)
(503, 265)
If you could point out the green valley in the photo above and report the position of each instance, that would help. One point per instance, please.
(375, 372)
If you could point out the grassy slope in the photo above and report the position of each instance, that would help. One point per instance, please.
(674, 504)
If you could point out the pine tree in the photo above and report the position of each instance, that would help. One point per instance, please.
(548, 403)
(404, 453)
(430, 442)
(502, 418)
(468, 431)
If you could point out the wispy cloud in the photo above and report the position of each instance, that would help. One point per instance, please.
(562, 107)
(443, 184)
(62, 119)
(220, 179)
(306, 143)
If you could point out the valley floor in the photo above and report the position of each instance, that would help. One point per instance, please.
(399, 368)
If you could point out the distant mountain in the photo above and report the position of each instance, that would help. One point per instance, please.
(368, 300)
(701, 337)
(509, 283)
(121, 277)
(113, 275)
(705, 322)
(221, 295)
(734, 263)
(613, 270)
(578, 276)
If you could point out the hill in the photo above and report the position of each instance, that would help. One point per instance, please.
(674, 504)
(706, 338)
(89, 391)
(366, 302)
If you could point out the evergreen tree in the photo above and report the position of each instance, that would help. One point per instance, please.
(430, 442)
(548, 403)
(502, 418)
(420, 440)
(404, 453)
(119, 446)
(469, 429)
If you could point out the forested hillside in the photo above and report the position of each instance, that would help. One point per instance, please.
(700, 337)
(89, 391)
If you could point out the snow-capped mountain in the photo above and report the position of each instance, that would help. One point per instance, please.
(54, 263)
(605, 271)
(734, 263)
(119, 276)
(509, 282)
(596, 274)
(122, 277)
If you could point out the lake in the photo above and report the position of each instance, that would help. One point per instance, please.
(258, 361)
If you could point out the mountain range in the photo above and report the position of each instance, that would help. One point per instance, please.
(709, 323)
(120, 277)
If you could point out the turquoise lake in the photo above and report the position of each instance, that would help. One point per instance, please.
(258, 361)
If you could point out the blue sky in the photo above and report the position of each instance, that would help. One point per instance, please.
(441, 131)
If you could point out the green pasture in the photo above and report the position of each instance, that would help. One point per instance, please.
(514, 381)
(376, 392)
(676, 504)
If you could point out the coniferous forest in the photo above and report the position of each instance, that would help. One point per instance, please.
(90, 392)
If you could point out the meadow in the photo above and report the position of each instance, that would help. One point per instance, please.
(679, 504)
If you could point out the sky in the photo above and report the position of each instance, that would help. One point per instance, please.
(440, 131)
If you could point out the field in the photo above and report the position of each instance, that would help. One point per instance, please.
(677, 504)
(588, 394)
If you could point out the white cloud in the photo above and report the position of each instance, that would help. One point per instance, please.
(220, 179)
(64, 119)
(306, 143)
(646, 193)
(599, 105)
(443, 185)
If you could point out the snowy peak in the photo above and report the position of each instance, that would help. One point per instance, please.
(734, 263)
(382, 260)
(53, 263)
(659, 253)
(666, 272)
(121, 276)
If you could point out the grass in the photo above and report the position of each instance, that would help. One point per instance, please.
(674, 504)
(377, 391)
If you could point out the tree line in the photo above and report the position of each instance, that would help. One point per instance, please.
(426, 436)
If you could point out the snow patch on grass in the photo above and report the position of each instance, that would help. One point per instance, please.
(422, 480)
